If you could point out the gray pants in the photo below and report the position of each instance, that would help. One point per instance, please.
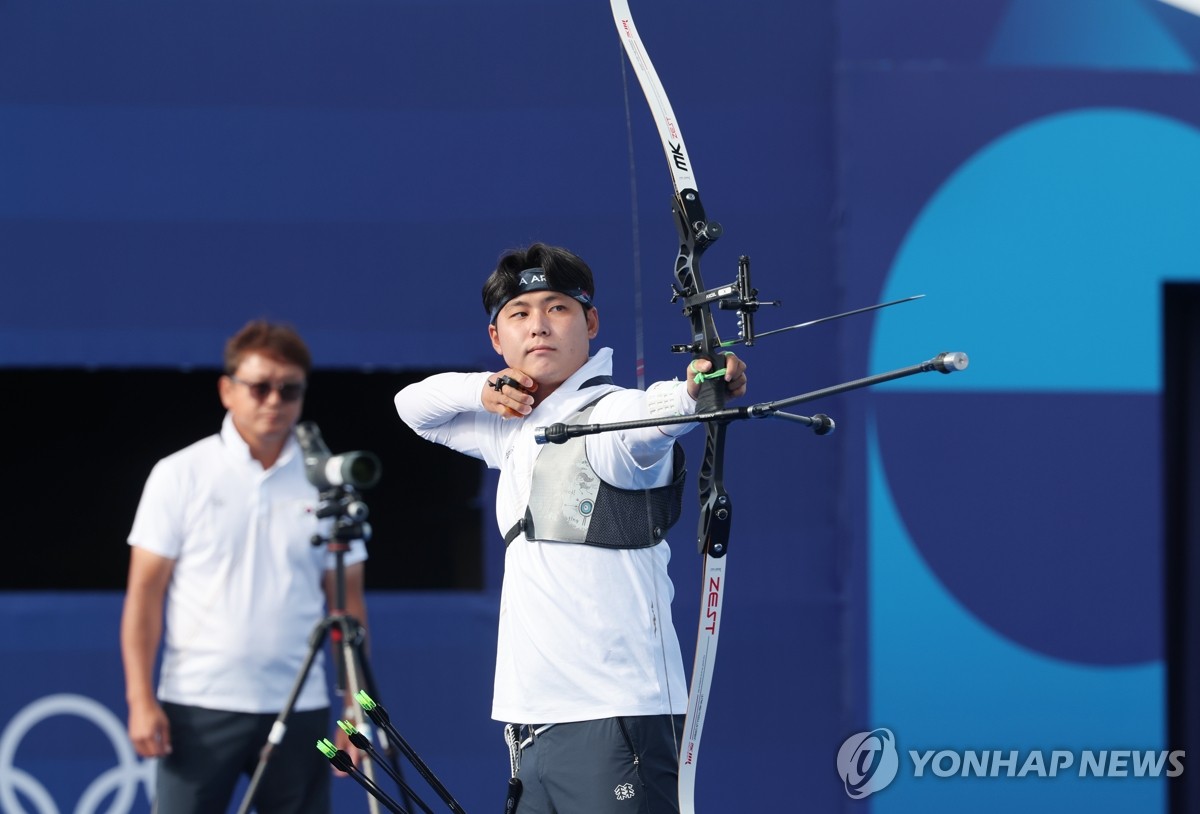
(211, 749)
(611, 766)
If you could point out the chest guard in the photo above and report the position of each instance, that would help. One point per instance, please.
(569, 503)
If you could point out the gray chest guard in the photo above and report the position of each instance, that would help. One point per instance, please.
(569, 503)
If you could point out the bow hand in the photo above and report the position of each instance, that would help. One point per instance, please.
(731, 374)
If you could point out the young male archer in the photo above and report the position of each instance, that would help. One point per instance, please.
(588, 668)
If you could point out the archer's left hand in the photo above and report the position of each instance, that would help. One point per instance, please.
(735, 375)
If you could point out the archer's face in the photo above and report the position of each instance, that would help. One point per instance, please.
(545, 335)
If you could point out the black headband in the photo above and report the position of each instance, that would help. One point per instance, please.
(534, 279)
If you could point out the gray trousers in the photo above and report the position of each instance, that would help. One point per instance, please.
(212, 749)
(623, 765)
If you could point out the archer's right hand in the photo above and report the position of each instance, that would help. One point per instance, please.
(508, 394)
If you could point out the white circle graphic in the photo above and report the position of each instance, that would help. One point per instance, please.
(123, 778)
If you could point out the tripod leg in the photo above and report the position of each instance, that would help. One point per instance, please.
(348, 636)
(361, 678)
(279, 728)
(386, 747)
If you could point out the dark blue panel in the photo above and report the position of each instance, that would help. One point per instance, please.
(1042, 515)
(154, 155)
(1130, 35)
(916, 30)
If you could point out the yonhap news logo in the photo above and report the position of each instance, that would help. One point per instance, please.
(868, 762)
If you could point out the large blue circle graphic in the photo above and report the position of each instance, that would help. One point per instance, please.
(1030, 483)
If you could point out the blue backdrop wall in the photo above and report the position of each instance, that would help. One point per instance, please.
(1033, 166)
(944, 565)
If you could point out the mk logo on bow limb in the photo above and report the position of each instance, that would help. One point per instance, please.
(678, 158)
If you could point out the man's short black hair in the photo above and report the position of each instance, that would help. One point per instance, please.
(565, 271)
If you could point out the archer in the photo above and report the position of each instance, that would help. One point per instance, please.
(589, 675)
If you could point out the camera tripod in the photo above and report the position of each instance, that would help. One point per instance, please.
(346, 633)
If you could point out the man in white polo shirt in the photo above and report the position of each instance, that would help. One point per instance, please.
(222, 540)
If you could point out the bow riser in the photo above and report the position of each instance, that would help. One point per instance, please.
(696, 234)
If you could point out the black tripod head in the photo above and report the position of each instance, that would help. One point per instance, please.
(349, 513)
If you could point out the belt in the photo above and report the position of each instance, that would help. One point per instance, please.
(514, 738)
(533, 729)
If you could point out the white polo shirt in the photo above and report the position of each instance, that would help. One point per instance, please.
(585, 632)
(246, 590)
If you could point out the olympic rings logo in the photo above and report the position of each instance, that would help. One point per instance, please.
(122, 778)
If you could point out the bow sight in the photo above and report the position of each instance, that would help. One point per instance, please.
(742, 297)
(738, 296)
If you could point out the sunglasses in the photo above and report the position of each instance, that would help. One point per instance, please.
(288, 391)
